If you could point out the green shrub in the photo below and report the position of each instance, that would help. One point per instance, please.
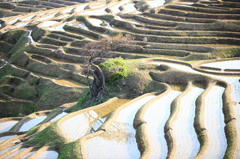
(104, 17)
(115, 69)
(226, 53)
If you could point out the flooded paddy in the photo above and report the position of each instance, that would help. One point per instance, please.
(14, 21)
(119, 140)
(6, 126)
(48, 23)
(94, 12)
(156, 3)
(57, 28)
(47, 17)
(214, 123)
(79, 125)
(33, 122)
(156, 116)
(128, 8)
(28, 18)
(187, 144)
(8, 149)
(80, 8)
(68, 10)
(28, 155)
(59, 116)
(20, 25)
(234, 64)
(15, 153)
(48, 155)
(99, 23)
(2, 139)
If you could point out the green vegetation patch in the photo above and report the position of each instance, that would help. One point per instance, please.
(81, 31)
(115, 69)
(7, 5)
(25, 91)
(33, 130)
(18, 48)
(37, 33)
(50, 136)
(13, 108)
(108, 18)
(102, 30)
(13, 36)
(70, 150)
(226, 53)
(53, 95)
(231, 134)
(5, 47)
(53, 41)
(4, 13)
(68, 34)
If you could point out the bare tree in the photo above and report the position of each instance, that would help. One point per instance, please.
(96, 50)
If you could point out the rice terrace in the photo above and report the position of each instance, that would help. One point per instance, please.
(120, 79)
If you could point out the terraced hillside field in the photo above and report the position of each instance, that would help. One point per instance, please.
(176, 95)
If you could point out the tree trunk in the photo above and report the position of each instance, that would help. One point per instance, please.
(98, 87)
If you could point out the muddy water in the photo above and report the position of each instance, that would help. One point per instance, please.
(69, 83)
(6, 126)
(111, 107)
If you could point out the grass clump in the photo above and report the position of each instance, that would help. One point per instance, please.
(33, 130)
(48, 137)
(226, 53)
(115, 69)
(108, 18)
(70, 150)
(5, 47)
